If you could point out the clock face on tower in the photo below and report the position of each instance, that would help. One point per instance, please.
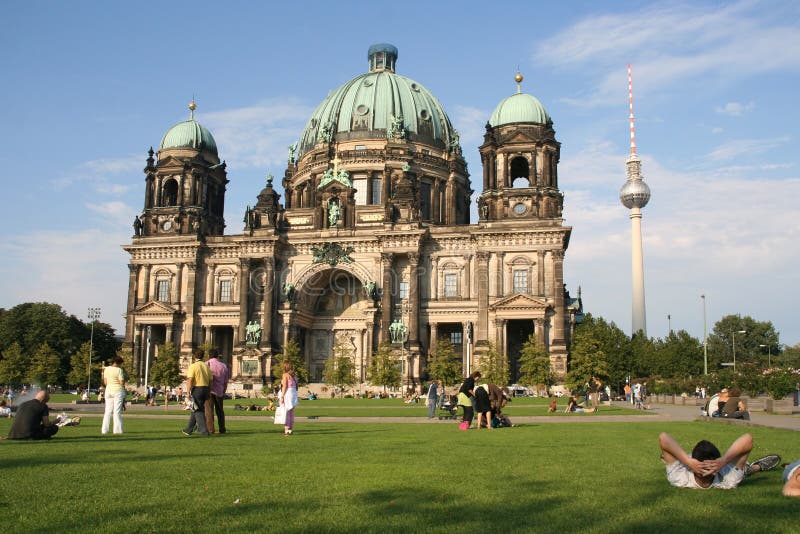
(167, 226)
(520, 208)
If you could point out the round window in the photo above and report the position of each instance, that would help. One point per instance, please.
(362, 109)
(520, 208)
(424, 114)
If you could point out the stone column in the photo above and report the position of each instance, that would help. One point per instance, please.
(413, 299)
(540, 273)
(133, 280)
(266, 305)
(558, 297)
(436, 201)
(482, 272)
(435, 278)
(146, 284)
(538, 329)
(188, 325)
(209, 299)
(434, 338)
(159, 183)
(178, 282)
(138, 353)
(244, 292)
(465, 345)
(501, 286)
(387, 258)
(170, 333)
(467, 275)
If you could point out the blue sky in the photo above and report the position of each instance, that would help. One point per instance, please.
(87, 87)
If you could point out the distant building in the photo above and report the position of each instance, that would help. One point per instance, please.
(372, 241)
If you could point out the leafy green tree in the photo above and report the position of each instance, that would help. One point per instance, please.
(13, 366)
(79, 368)
(494, 366)
(45, 367)
(588, 360)
(166, 370)
(788, 357)
(617, 346)
(131, 377)
(291, 352)
(534, 364)
(383, 367)
(678, 355)
(339, 369)
(748, 349)
(445, 363)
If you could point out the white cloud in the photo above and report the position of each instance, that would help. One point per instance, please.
(677, 43)
(745, 148)
(110, 176)
(116, 212)
(735, 109)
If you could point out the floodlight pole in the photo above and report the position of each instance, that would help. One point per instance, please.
(769, 355)
(734, 345)
(705, 338)
(93, 314)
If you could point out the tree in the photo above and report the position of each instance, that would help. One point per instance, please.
(445, 364)
(534, 364)
(45, 367)
(678, 355)
(131, 377)
(291, 352)
(494, 366)
(383, 367)
(617, 346)
(588, 360)
(339, 369)
(13, 366)
(788, 357)
(166, 370)
(79, 368)
(748, 349)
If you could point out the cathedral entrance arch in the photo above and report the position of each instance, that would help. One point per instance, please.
(334, 316)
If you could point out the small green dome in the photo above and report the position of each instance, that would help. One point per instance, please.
(366, 106)
(519, 107)
(189, 134)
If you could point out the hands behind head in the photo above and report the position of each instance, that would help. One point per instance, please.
(706, 467)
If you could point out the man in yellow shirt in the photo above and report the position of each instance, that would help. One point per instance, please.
(198, 386)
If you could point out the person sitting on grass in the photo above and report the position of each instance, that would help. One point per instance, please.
(552, 407)
(707, 468)
(791, 479)
(33, 420)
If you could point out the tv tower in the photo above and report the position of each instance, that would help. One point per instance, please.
(634, 196)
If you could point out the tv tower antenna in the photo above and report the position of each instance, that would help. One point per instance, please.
(634, 195)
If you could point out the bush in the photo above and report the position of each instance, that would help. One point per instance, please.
(781, 382)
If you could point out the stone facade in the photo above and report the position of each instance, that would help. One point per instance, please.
(373, 229)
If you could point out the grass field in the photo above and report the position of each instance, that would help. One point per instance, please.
(363, 477)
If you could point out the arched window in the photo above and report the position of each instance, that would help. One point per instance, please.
(170, 193)
(520, 172)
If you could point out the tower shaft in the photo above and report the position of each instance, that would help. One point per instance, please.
(639, 322)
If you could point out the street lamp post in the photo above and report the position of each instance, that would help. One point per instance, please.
(705, 338)
(769, 355)
(94, 315)
(734, 345)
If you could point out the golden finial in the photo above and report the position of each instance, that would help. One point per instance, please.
(192, 107)
(518, 78)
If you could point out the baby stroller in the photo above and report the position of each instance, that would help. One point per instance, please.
(447, 407)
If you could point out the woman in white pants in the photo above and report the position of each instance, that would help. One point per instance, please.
(114, 380)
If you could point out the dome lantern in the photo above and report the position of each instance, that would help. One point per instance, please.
(382, 56)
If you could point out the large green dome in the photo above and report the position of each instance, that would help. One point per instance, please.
(519, 107)
(364, 107)
(189, 134)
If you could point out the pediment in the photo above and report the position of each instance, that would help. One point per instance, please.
(519, 301)
(155, 308)
(519, 137)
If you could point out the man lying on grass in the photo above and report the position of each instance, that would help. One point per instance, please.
(706, 468)
(791, 478)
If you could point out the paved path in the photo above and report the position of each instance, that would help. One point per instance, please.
(658, 413)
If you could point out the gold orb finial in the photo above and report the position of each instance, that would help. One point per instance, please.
(192, 105)
(518, 78)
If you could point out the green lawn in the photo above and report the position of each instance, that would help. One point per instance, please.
(351, 477)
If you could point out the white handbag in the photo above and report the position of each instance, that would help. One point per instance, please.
(280, 415)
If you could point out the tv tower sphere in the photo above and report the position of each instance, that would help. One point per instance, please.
(634, 193)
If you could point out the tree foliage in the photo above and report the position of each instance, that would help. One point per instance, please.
(384, 368)
(166, 370)
(13, 366)
(748, 349)
(79, 368)
(494, 366)
(131, 377)
(588, 360)
(445, 364)
(45, 367)
(291, 352)
(340, 369)
(534, 364)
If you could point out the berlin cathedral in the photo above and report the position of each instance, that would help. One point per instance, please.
(370, 242)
